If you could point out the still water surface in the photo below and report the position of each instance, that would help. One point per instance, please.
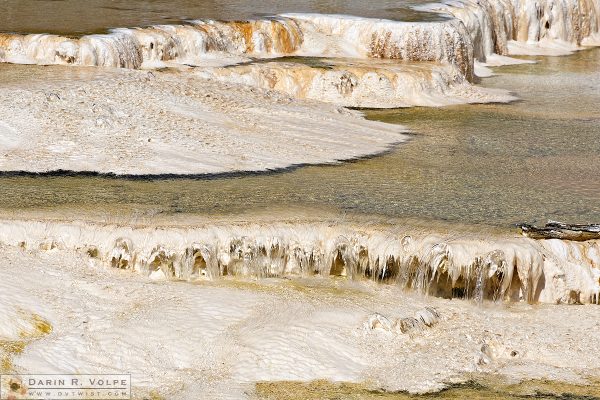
(493, 164)
(77, 17)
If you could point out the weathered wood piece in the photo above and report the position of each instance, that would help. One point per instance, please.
(559, 230)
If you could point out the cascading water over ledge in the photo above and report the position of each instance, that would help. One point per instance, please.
(525, 27)
(501, 268)
(368, 85)
(290, 34)
(478, 30)
(346, 36)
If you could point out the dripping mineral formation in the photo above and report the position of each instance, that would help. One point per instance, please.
(369, 84)
(496, 268)
(293, 34)
(515, 27)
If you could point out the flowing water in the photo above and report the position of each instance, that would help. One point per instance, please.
(493, 164)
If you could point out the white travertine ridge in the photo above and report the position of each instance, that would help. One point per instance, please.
(292, 34)
(479, 29)
(136, 123)
(368, 85)
(496, 268)
(346, 36)
(131, 48)
(525, 27)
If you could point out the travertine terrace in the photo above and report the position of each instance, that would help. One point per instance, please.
(205, 307)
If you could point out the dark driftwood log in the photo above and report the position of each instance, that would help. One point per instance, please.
(559, 230)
